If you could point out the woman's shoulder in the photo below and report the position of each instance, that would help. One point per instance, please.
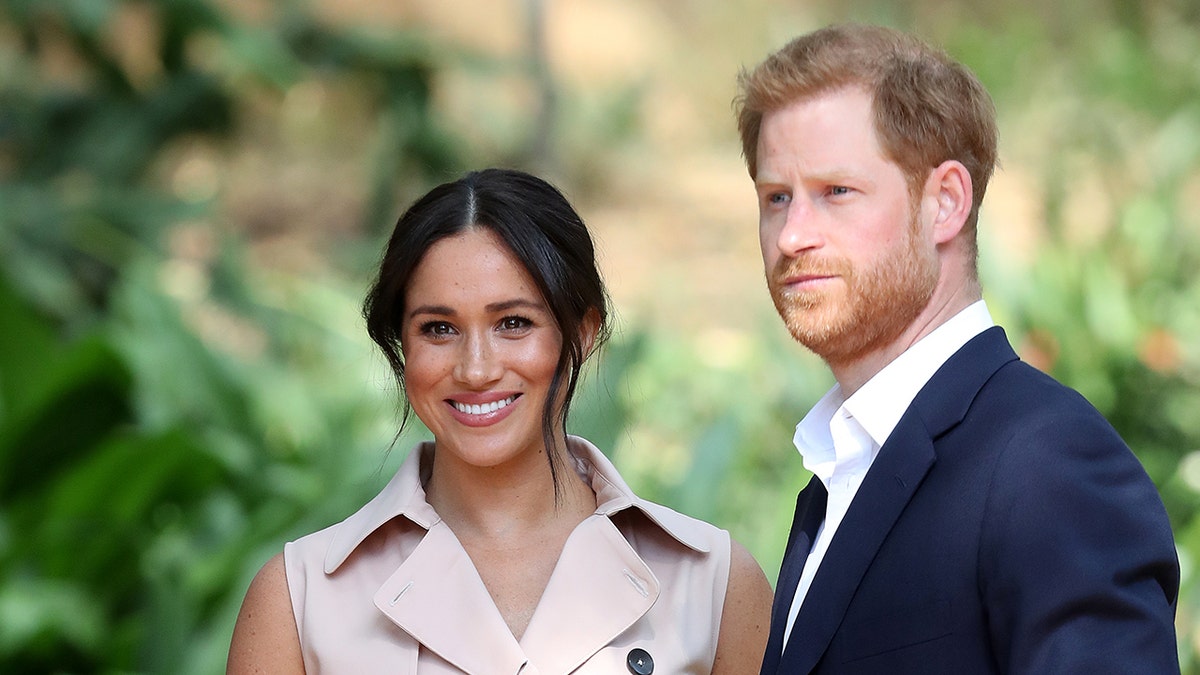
(697, 534)
(616, 499)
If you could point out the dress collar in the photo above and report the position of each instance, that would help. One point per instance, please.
(404, 495)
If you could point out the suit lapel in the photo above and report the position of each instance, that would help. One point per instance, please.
(897, 472)
(810, 511)
(893, 478)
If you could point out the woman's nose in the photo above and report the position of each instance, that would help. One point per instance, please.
(478, 364)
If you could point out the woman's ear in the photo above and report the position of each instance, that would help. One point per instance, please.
(589, 328)
(950, 190)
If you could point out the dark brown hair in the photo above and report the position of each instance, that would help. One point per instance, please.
(546, 235)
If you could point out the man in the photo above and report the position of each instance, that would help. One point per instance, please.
(967, 514)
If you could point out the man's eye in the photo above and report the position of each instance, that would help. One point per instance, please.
(777, 198)
(839, 190)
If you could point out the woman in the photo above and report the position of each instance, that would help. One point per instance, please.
(504, 546)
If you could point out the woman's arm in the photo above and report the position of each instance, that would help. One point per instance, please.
(265, 639)
(746, 619)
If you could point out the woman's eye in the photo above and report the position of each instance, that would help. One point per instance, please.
(437, 328)
(511, 323)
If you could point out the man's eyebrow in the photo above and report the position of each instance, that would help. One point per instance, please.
(832, 175)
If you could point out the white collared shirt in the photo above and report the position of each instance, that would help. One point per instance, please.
(840, 438)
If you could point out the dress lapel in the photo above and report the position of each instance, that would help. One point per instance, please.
(599, 588)
(437, 597)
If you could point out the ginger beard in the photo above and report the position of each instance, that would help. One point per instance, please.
(872, 308)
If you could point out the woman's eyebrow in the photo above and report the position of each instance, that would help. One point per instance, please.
(438, 310)
(443, 310)
(512, 304)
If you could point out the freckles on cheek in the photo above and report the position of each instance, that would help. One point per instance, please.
(420, 372)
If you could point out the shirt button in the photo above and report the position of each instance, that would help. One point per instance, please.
(639, 662)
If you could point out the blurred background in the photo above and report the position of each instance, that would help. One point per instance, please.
(194, 194)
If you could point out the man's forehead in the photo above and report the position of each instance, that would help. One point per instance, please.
(833, 135)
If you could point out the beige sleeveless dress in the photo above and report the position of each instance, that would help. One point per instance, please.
(391, 590)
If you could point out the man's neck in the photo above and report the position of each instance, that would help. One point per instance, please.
(854, 373)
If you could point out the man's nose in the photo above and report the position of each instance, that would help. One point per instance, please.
(800, 230)
(478, 362)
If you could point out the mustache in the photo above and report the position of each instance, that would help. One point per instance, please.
(808, 265)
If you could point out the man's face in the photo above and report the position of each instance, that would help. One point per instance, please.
(847, 258)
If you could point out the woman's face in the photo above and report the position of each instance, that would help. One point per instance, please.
(480, 350)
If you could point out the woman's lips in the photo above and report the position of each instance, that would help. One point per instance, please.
(481, 410)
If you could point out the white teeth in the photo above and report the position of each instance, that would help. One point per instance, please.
(484, 408)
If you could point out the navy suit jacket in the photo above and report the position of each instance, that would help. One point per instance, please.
(1004, 527)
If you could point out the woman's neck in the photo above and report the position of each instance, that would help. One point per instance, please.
(507, 501)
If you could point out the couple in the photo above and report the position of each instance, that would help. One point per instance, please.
(967, 513)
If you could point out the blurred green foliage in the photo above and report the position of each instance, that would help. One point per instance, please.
(158, 443)
(170, 413)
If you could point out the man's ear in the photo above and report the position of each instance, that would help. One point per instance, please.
(949, 187)
(589, 328)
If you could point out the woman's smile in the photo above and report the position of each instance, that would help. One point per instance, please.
(482, 414)
(482, 349)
